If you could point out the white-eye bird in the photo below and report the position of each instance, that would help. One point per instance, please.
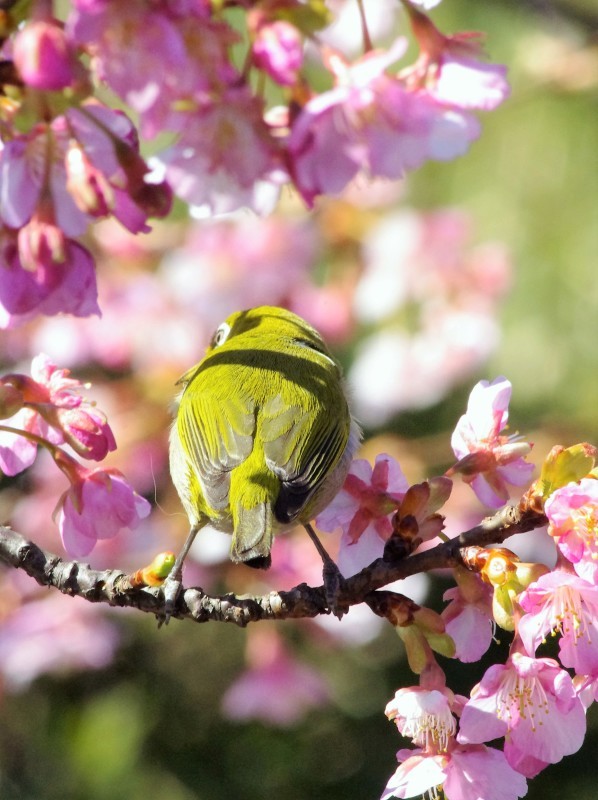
(263, 436)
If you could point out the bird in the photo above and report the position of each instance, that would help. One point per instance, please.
(262, 438)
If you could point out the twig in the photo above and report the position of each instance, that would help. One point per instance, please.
(113, 588)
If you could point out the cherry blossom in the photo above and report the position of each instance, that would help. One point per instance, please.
(55, 285)
(534, 704)
(468, 616)
(126, 43)
(450, 68)
(276, 688)
(573, 515)
(98, 505)
(473, 772)
(370, 121)
(227, 174)
(489, 460)
(363, 509)
(561, 602)
(424, 716)
(54, 179)
(54, 399)
(16, 451)
(53, 634)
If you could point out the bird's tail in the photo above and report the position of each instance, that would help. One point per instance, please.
(251, 501)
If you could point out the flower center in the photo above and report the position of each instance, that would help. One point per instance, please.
(585, 524)
(521, 698)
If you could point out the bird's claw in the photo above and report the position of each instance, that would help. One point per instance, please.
(171, 588)
(334, 583)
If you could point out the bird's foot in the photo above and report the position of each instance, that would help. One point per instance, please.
(171, 589)
(334, 583)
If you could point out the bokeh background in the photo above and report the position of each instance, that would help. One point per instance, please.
(469, 269)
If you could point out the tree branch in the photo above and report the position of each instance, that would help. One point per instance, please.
(114, 588)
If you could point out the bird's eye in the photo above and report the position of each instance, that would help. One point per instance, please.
(221, 335)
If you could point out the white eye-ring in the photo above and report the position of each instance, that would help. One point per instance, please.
(221, 335)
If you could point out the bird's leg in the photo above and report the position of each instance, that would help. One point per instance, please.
(173, 583)
(331, 575)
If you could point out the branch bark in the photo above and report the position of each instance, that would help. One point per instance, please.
(113, 587)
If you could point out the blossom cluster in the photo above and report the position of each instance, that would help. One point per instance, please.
(183, 68)
(47, 409)
(531, 700)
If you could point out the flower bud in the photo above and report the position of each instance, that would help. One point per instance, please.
(43, 55)
(87, 431)
(11, 400)
(278, 50)
(156, 572)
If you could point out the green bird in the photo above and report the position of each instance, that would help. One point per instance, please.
(263, 436)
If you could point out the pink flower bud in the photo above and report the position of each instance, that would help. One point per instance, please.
(87, 432)
(278, 50)
(43, 55)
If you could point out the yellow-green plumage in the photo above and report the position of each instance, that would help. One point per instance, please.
(263, 436)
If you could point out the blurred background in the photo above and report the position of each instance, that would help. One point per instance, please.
(470, 269)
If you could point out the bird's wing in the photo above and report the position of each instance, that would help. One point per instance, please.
(302, 447)
(216, 430)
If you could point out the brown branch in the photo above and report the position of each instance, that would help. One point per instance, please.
(113, 588)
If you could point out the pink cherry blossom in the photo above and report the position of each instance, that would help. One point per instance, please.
(468, 83)
(473, 772)
(52, 384)
(84, 163)
(55, 400)
(468, 616)
(363, 510)
(366, 121)
(97, 506)
(532, 702)
(560, 602)
(573, 515)
(122, 40)
(450, 68)
(126, 42)
(371, 121)
(224, 156)
(586, 687)
(276, 688)
(424, 716)
(53, 635)
(51, 288)
(488, 460)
